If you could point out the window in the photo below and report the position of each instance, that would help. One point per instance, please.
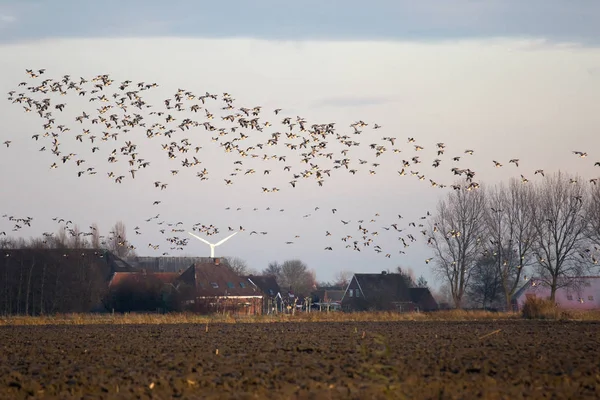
(350, 292)
(591, 298)
(587, 284)
(230, 285)
(357, 293)
(215, 285)
(242, 285)
(271, 292)
(569, 297)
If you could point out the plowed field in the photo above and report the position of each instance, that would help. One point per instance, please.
(503, 359)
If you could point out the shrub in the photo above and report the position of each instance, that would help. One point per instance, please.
(537, 308)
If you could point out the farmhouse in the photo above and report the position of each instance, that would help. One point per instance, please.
(580, 293)
(212, 287)
(272, 300)
(385, 291)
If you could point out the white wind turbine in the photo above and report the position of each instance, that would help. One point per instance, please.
(212, 246)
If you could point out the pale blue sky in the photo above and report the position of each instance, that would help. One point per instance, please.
(310, 19)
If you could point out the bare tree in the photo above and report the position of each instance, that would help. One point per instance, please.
(117, 242)
(455, 234)
(593, 229)
(342, 278)
(95, 237)
(485, 287)
(560, 224)
(76, 240)
(510, 231)
(60, 239)
(237, 265)
(273, 269)
(296, 276)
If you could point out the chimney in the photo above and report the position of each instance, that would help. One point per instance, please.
(217, 261)
(383, 272)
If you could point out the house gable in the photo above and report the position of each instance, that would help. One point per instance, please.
(217, 280)
(376, 291)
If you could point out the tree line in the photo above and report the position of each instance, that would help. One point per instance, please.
(487, 242)
(72, 237)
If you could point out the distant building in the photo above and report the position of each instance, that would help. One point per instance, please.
(165, 263)
(272, 300)
(328, 299)
(581, 293)
(385, 292)
(214, 288)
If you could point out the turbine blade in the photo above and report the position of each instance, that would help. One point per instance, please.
(224, 240)
(199, 238)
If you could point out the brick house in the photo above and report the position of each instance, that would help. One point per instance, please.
(212, 287)
(385, 292)
(582, 293)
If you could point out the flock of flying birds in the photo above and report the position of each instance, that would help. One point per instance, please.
(110, 131)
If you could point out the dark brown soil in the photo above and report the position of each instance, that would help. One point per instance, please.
(396, 360)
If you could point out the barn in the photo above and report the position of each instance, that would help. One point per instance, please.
(577, 293)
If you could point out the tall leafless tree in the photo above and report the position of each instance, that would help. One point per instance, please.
(560, 224)
(117, 241)
(296, 276)
(593, 229)
(95, 237)
(510, 230)
(455, 234)
(485, 286)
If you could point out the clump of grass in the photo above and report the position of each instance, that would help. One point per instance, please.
(538, 308)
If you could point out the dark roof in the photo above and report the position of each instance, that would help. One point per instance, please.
(329, 295)
(267, 284)
(119, 278)
(389, 285)
(211, 279)
(418, 294)
(423, 298)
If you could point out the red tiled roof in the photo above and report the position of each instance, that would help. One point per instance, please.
(211, 280)
(136, 277)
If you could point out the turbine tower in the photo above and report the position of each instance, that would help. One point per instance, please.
(212, 246)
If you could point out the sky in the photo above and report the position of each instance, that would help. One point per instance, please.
(507, 79)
